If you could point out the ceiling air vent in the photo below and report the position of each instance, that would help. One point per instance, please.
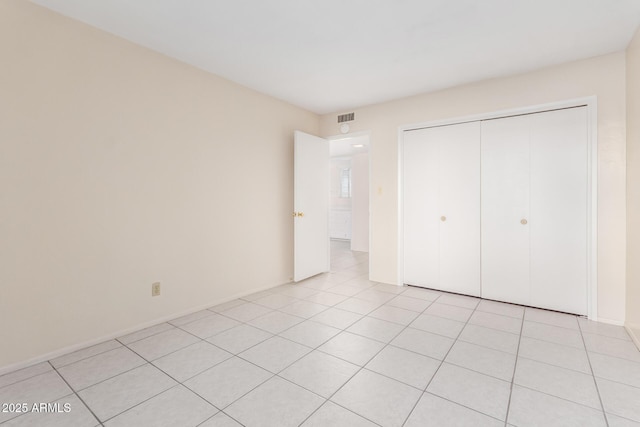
(349, 117)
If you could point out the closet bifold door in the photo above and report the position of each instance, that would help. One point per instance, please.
(534, 209)
(441, 208)
(505, 210)
(559, 144)
(420, 210)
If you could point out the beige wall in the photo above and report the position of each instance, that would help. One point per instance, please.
(633, 185)
(120, 167)
(360, 202)
(602, 76)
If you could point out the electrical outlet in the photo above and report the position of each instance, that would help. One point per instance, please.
(155, 289)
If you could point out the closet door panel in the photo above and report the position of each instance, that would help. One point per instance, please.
(504, 209)
(460, 208)
(420, 208)
(558, 220)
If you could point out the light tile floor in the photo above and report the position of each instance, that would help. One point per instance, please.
(339, 350)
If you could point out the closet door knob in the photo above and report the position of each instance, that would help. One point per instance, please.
(523, 221)
(443, 218)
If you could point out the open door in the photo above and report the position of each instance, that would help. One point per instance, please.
(310, 205)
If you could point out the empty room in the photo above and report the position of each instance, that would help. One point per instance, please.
(319, 213)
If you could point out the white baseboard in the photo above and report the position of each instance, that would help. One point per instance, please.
(69, 349)
(634, 333)
(610, 322)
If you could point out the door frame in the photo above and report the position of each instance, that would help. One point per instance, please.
(591, 103)
(349, 135)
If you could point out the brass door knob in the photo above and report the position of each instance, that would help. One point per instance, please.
(300, 214)
(443, 218)
(523, 221)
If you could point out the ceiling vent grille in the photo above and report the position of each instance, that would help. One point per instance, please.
(349, 117)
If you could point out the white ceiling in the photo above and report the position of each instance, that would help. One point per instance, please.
(335, 55)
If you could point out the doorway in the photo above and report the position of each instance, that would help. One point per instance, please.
(349, 196)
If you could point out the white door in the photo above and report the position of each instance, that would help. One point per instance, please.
(420, 209)
(311, 205)
(534, 210)
(559, 210)
(441, 208)
(505, 210)
(460, 209)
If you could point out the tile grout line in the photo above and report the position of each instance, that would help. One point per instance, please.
(148, 399)
(541, 362)
(85, 358)
(179, 383)
(443, 359)
(248, 361)
(232, 356)
(360, 367)
(76, 394)
(220, 411)
(328, 399)
(515, 366)
(152, 335)
(608, 336)
(593, 376)
(267, 379)
(391, 345)
(326, 307)
(483, 373)
(559, 398)
(282, 370)
(150, 363)
(111, 377)
(637, 362)
(25, 378)
(147, 362)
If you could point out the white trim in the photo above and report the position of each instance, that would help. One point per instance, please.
(592, 175)
(538, 108)
(592, 209)
(70, 349)
(400, 251)
(634, 333)
(370, 200)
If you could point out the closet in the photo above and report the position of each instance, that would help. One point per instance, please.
(441, 209)
(498, 208)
